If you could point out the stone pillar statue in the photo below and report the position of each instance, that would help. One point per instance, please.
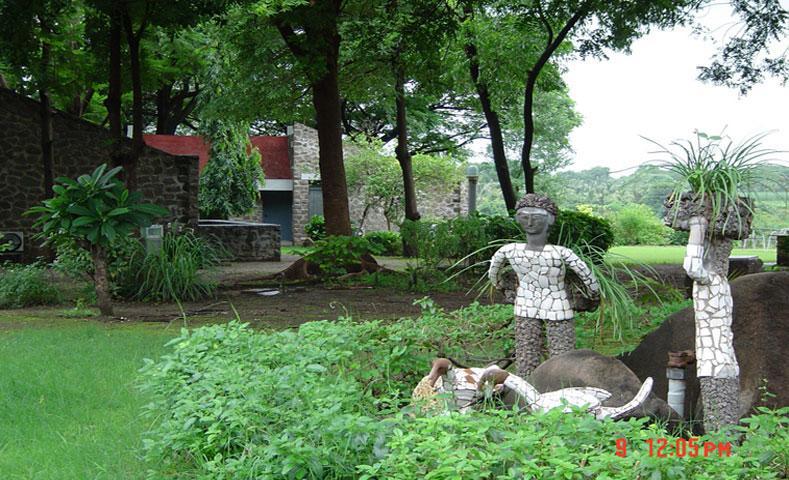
(542, 300)
(707, 263)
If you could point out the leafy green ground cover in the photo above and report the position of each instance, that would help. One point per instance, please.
(653, 255)
(70, 409)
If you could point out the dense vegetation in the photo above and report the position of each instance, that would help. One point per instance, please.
(331, 400)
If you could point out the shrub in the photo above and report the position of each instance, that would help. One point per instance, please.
(329, 401)
(339, 255)
(592, 235)
(177, 272)
(316, 228)
(636, 224)
(468, 236)
(678, 237)
(26, 285)
(385, 243)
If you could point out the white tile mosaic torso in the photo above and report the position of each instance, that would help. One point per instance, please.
(542, 291)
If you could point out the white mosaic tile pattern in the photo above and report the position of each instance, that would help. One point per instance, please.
(713, 306)
(541, 288)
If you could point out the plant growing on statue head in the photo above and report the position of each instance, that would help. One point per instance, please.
(93, 210)
(717, 172)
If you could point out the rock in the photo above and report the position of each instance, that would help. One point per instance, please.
(587, 368)
(744, 265)
(761, 336)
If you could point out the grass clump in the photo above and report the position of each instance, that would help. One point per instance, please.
(26, 285)
(177, 272)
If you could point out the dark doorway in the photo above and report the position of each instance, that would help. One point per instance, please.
(278, 209)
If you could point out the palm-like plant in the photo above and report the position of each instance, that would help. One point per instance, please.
(93, 210)
(716, 174)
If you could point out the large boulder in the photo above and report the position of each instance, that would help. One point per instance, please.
(587, 368)
(761, 337)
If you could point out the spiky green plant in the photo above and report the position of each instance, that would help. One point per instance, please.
(718, 172)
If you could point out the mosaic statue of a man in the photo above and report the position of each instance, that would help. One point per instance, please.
(542, 303)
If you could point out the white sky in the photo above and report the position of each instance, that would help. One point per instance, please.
(654, 92)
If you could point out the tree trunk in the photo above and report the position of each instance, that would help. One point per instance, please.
(79, 104)
(528, 131)
(319, 50)
(133, 41)
(163, 110)
(113, 101)
(101, 279)
(551, 45)
(326, 99)
(494, 127)
(403, 155)
(47, 146)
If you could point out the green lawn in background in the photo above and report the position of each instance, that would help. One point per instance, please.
(69, 408)
(675, 253)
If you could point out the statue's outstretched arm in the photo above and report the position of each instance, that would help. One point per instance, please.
(694, 254)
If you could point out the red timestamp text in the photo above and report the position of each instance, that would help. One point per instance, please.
(680, 448)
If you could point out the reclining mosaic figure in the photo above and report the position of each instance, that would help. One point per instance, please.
(464, 388)
(542, 299)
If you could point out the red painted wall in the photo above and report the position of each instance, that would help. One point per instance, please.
(273, 150)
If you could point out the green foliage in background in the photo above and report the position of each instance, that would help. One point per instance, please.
(385, 243)
(636, 224)
(330, 400)
(26, 285)
(338, 255)
(230, 182)
(378, 179)
(468, 237)
(316, 228)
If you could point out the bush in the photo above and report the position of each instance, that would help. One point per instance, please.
(26, 285)
(339, 255)
(636, 224)
(177, 272)
(385, 243)
(316, 228)
(591, 235)
(464, 236)
(678, 237)
(329, 401)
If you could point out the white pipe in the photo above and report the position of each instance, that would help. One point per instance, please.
(676, 390)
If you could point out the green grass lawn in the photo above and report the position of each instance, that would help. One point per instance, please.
(69, 408)
(675, 253)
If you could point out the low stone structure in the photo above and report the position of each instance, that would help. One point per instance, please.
(80, 146)
(244, 241)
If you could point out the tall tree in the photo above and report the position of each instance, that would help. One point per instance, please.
(311, 33)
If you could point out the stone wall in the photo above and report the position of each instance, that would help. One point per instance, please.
(433, 204)
(245, 241)
(80, 146)
(303, 145)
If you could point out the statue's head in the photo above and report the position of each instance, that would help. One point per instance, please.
(535, 213)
